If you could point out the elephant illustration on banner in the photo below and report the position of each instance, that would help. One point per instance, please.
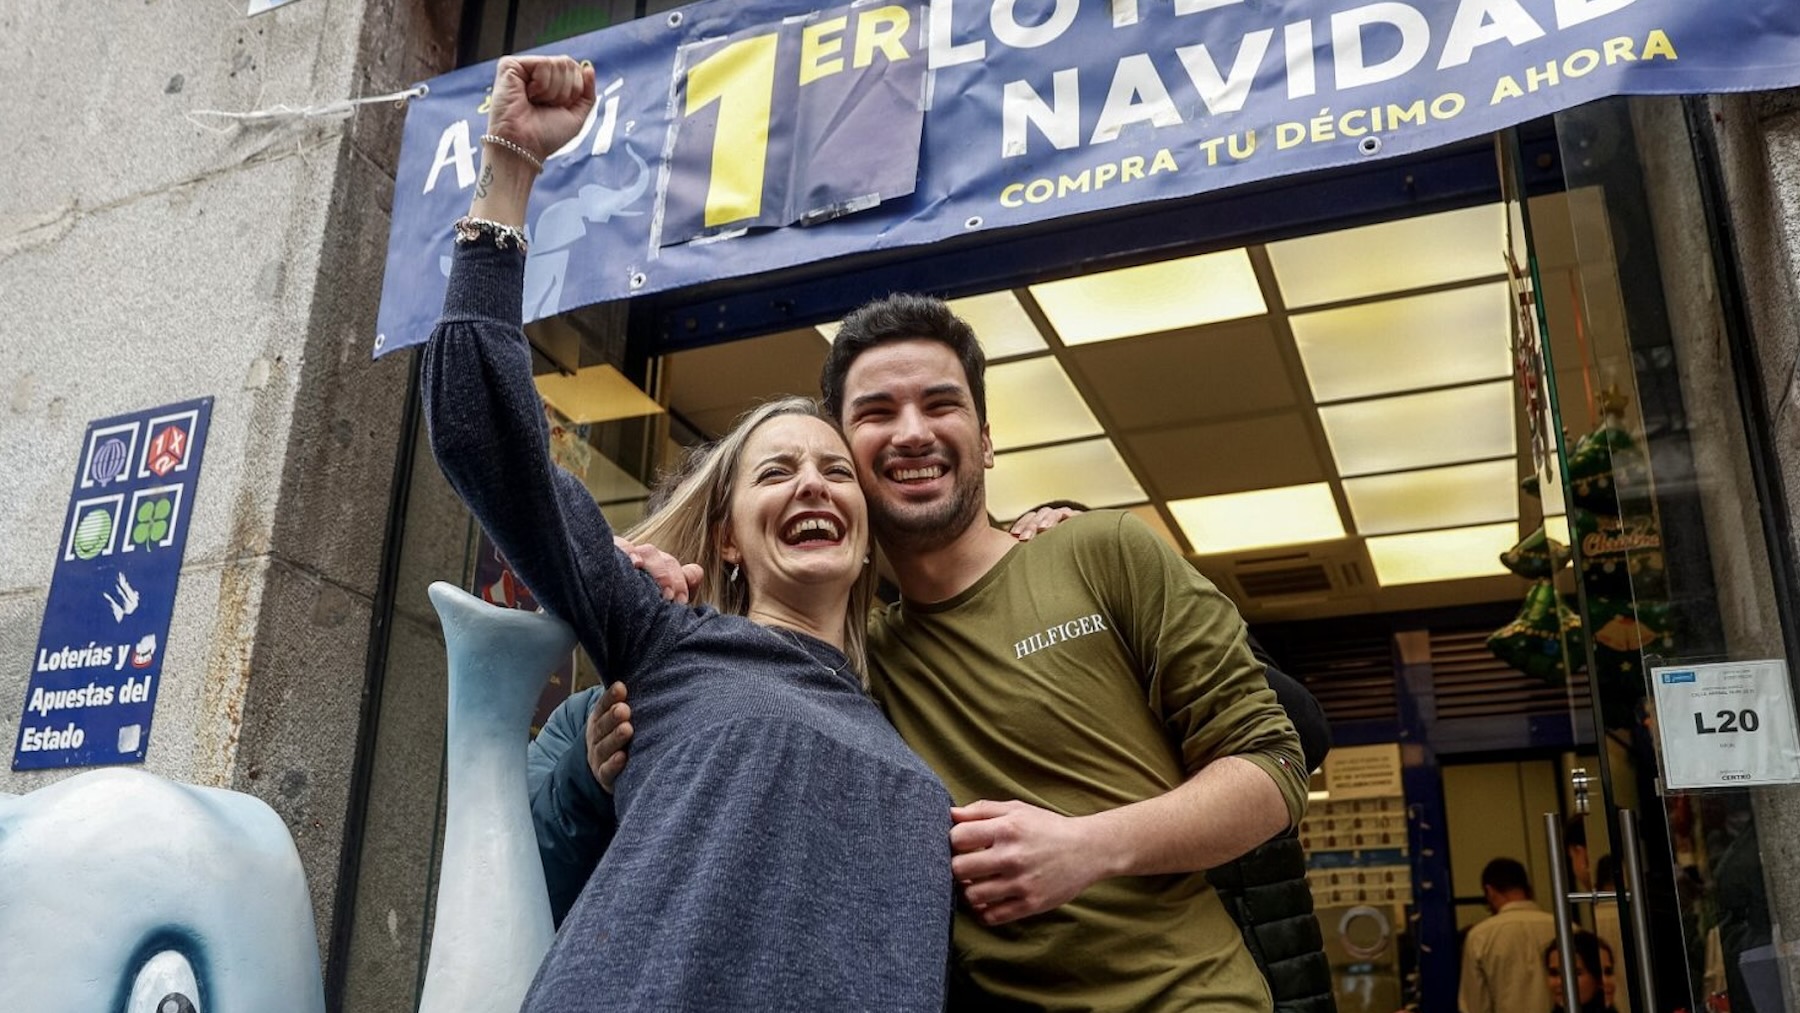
(562, 225)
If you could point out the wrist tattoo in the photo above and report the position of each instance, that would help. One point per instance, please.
(481, 185)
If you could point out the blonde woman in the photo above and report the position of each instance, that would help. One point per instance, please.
(777, 845)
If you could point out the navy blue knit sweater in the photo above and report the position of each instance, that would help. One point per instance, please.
(778, 847)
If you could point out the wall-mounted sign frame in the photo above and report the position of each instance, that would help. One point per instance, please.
(100, 650)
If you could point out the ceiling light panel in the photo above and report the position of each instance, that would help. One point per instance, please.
(1435, 498)
(1391, 257)
(595, 394)
(1429, 556)
(1001, 324)
(1090, 472)
(1436, 340)
(1421, 430)
(1239, 521)
(1032, 402)
(1187, 292)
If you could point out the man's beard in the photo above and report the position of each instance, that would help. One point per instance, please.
(925, 527)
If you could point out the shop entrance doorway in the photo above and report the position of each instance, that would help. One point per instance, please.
(1328, 423)
(1382, 409)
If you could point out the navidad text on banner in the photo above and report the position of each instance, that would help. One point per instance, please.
(759, 115)
(100, 650)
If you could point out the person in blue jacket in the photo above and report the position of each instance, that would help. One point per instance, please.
(572, 814)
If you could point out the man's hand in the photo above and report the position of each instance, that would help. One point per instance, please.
(1014, 860)
(1036, 522)
(608, 732)
(679, 581)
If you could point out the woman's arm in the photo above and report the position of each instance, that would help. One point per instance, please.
(489, 435)
(483, 414)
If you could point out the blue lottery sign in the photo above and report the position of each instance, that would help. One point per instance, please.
(99, 653)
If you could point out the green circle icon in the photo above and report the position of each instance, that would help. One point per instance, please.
(93, 533)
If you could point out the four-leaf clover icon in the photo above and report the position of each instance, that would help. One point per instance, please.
(151, 522)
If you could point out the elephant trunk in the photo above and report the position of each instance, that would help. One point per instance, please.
(493, 922)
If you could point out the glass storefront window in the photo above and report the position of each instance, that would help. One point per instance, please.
(1672, 565)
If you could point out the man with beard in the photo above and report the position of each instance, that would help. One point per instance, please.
(1087, 697)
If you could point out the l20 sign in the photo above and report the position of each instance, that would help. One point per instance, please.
(1726, 725)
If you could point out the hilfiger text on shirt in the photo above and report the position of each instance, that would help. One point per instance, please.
(1060, 632)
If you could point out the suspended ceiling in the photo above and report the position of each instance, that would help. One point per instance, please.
(1324, 425)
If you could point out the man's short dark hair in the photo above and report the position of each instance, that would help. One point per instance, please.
(1506, 875)
(1606, 873)
(902, 317)
(1587, 951)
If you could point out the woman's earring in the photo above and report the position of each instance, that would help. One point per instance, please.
(731, 572)
(865, 559)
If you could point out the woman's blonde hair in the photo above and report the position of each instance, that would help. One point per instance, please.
(687, 523)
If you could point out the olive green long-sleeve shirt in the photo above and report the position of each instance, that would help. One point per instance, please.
(1091, 668)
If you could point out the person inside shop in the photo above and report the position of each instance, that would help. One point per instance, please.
(1088, 697)
(779, 846)
(1576, 849)
(1606, 913)
(1595, 985)
(1503, 964)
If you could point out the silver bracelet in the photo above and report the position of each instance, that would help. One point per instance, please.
(471, 230)
(517, 149)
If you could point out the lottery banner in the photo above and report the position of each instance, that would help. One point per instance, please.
(734, 137)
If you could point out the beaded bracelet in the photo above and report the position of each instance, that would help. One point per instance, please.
(517, 149)
(470, 230)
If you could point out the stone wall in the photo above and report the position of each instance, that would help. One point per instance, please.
(153, 253)
(1759, 141)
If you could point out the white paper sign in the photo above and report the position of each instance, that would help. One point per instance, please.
(1726, 725)
(264, 6)
(1363, 771)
